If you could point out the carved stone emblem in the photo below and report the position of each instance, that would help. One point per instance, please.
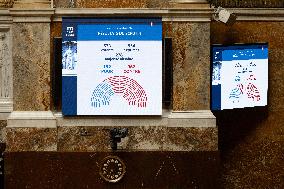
(112, 169)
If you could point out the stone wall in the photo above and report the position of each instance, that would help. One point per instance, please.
(31, 62)
(248, 3)
(251, 142)
(185, 131)
(111, 4)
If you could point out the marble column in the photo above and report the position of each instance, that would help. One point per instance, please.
(191, 57)
(191, 79)
(31, 59)
(191, 70)
(31, 126)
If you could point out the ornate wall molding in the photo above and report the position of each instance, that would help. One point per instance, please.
(192, 14)
(31, 15)
(189, 3)
(172, 14)
(258, 14)
(6, 68)
(248, 3)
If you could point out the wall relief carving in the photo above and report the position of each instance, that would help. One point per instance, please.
(6, 96)
(4, 67)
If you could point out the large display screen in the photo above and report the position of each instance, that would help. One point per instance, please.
(239, 76)
(111, 66)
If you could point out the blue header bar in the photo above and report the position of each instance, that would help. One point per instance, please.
(240, 52)
(120, 31)
(87, 29)
(92, 29)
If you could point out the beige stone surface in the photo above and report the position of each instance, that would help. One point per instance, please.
(175, 131)
(32, 4)
(31, 139)
(101, 4)
(144, 138)
(191, 69)
(3, 124)
(6, 3)
(131, 4)
(31, 60)
(97, 139)
(83, 139)
(158, 3)
(191, 139)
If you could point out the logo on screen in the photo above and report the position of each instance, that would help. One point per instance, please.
(70, 31)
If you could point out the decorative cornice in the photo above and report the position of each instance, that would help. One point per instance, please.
(258, 14)
(189, 15)
(185, 4)
(172, 14)
(59, 12)
(176, 14)
(31, 15)
(5, 17)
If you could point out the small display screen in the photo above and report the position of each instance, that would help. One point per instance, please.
(239, 76)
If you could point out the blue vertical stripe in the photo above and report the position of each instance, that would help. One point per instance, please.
(216, 97)
(69, 95)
